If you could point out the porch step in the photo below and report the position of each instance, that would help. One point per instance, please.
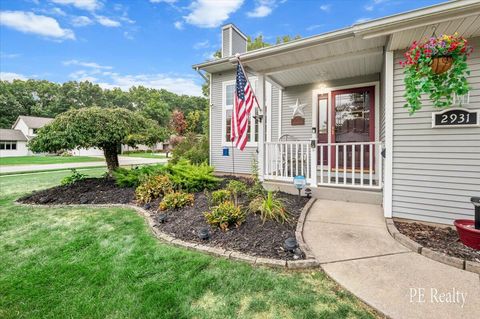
(332, 193)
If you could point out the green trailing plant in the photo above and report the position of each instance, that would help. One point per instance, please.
(75, 177)
(421, 79)
(176, 200)
(152, 188)
(133, 177)
(270, 208)
(220, 196)
(192, 178)
(236, 188)
(225, 216)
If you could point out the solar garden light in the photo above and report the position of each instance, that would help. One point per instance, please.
(204, 233)
(299, 182)
(476, 202)
(162, 218)
(290, 244)
(308, 192)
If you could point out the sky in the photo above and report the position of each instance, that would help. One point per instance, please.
(155, 42)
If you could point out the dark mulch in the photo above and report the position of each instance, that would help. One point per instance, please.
(252, 237)
(87, 191)
(441, 239)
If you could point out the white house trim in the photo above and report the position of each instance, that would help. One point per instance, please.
(280, 98)
(388, 109)
(210, 104)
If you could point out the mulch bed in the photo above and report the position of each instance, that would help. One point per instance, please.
(87, 191)
(441, 239)
(253, 237)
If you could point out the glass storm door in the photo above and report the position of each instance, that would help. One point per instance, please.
(353, 122)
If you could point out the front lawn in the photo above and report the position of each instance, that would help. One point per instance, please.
(34, 160)
(145, 155)
(104, 262)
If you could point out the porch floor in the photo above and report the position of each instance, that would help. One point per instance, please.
(353, 246)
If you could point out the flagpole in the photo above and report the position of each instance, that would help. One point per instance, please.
(246, 76)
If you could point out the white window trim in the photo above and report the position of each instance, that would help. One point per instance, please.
(226, 107)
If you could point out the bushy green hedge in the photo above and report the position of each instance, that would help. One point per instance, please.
(192, 178)
(193, 148)
(135, 176)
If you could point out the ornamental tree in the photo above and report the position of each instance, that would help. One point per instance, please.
(104, 128)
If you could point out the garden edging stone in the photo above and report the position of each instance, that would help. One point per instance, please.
(467, 265)
(299, 231)
(215, 251)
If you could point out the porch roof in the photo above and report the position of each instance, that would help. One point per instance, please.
(356, 50)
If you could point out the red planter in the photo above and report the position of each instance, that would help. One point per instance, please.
(468, 234)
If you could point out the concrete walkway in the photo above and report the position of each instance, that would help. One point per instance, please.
(123, 160)
(353, 246)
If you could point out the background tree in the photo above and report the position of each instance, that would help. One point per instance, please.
(178, 122)
(104, 128)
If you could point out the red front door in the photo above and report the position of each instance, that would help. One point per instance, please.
(352, 118)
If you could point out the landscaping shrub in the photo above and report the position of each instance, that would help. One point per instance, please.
(256, 190)
(192, 148)
(152, 188)
(75, 177)
(220, 196)
(269, 207)
(237, 188)
(135, 176)
(192, 178)
(225, 215)
(176, 200)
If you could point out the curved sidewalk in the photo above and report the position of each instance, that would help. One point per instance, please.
(353, 246)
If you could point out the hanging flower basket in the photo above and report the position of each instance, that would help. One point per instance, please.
(438, 68)
(441, 64)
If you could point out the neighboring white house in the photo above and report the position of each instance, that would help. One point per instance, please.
(352, 139)
(24, 129)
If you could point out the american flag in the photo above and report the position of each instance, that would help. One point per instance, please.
(244, 99)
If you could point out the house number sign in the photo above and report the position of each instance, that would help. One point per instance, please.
(457, 117)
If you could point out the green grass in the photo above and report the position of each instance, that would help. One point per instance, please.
(35, 160)
(145, 155)
(104, 263)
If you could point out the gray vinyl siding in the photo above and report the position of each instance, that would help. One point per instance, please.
(238, 43)
(435, 171)
(226, 43)
(243, 159)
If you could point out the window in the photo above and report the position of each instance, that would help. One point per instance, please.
(227, 110)
(8, 145)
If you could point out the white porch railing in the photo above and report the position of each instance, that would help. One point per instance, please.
(356, 165)
(350, 164)
(285, 160)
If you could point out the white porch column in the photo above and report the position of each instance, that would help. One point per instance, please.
(261, 126)
(388, 107)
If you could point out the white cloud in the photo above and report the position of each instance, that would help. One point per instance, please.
(166, 1)
(176, 84)
(325, 7)
(178, 25)
(81, 21)
(315, 26)
(90, 5)
(29, 22)
(91, 65)
(10, 76)
(361, 20)
(201, 45)
(262, 8)
(368, 7)
(107, 22)
(211, 13)
(5, 55)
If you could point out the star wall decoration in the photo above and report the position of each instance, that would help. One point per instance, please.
(298, 109)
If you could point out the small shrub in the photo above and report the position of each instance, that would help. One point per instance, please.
(256, 190)
(135, 176)
(220, 196)
(176, 200)
(192, 178)
(237, 188)
(225, 215)
(269, 207)
(191, 147)
(152, 188)
(75, 177)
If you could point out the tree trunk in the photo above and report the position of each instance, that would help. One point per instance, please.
(111, 157)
